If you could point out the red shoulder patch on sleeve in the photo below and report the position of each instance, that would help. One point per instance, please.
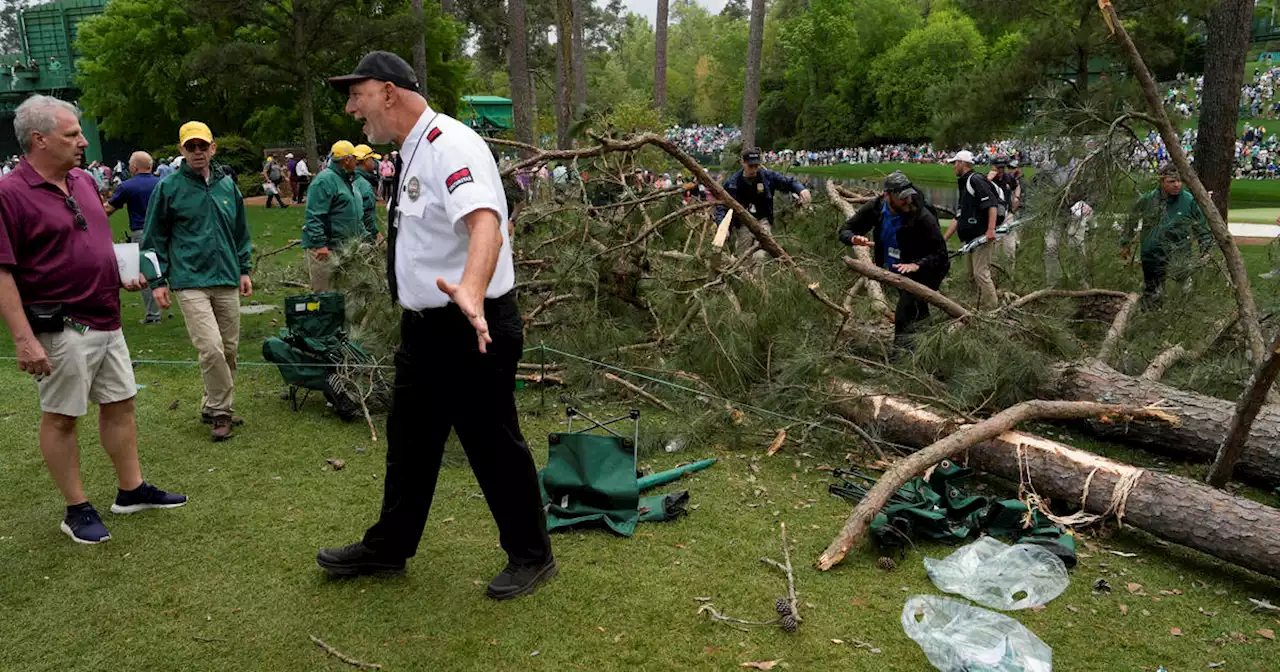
(433, 134)
(458, 178)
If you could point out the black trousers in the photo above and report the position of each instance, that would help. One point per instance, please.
(910, 310)
(1153, 275)
(444, 383)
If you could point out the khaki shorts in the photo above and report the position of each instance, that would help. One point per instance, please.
(93, 366)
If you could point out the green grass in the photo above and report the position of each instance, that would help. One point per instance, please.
(236, 565)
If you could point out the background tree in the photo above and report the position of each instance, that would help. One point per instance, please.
(751, 97)
(420, 47)
(518, 66)
(564, 71)
(579, 58)
(1229, 26)
(660, 57)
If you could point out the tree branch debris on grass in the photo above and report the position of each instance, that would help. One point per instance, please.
(354, 662)
(788, 607)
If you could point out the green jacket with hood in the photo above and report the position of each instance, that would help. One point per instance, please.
(334, 214)
(198, 230)
(364, 183)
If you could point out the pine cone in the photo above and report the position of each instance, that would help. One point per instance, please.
(783, 605)
(789, 623)
(886, 563)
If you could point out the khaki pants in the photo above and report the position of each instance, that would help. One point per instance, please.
(980, 272)
(321, 271)
(742, 240)
(213, 323)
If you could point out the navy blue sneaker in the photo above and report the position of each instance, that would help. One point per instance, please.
(84, 526)
(146, 496)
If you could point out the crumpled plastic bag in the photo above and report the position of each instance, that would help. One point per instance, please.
(959, 637)
(999, 576)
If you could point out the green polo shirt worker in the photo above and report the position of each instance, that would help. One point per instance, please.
(196, 226)
(334, 214)
(367, 183)
(1170, 218)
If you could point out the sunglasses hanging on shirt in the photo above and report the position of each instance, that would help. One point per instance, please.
(72, 205)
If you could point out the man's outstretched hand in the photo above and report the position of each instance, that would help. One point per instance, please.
(471, 302)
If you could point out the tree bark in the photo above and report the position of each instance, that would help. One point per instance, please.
(903, 283)
(579, 59)
(1229, 26)
(1235, 262)
(564, 71)
(1176, 509)
(420, 46)
(1246, 413)
(1118, 327)
(955, 442)
(751, 93)
(446, 7)
(660, 57)
(860, 253)
(1202, 420)
(518, 73)
(307, 102)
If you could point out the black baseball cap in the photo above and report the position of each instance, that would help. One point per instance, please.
(751, 156)
(383, 66)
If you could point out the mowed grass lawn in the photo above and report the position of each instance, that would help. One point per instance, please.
(229, 582)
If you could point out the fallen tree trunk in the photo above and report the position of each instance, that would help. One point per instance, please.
(1202, 426)
(1179, 510)
(1247, 408)
(902, 282)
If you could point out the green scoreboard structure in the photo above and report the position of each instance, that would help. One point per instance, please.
(46, 64)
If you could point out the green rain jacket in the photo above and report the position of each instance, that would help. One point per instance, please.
(333, 210)
(1168, 225)
(364, 183)
(198, 230)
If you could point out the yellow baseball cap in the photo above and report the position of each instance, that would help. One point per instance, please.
(342, 149)
(194, 130)
(365, 152)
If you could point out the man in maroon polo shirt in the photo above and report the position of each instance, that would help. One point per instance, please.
(60, 299)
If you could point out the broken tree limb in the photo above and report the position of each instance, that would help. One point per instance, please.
(1175, 509)
(662, 221)
(1162, 362)
(1250, 402)
(903, 283)
(874, 290)
(344, 657)
(638, 390)
(1065, 294)
(289, 246)
(954, 443)
(826, 301)
(1118, 327)
(1221, 234)
(548, 379)
(1202, 426)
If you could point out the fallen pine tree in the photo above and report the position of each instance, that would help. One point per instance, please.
(1175, 509)
(1203, 419)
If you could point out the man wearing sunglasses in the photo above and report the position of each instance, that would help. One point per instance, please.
(196, 225)
(60, 299)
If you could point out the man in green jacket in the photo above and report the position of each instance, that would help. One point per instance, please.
(367, 183)
(1170, 217)
(334, 213)
(196, 225)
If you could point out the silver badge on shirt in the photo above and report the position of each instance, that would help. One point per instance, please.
(415, 189)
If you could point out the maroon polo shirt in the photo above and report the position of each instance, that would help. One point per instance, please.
(51, 259)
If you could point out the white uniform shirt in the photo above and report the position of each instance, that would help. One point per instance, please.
(449, 173)
(302, 170)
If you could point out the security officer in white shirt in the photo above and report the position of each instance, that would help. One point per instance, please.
(449, 265)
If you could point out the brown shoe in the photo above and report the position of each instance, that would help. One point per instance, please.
(207, 419)
(221, 428)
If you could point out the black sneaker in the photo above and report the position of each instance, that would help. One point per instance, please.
(84, 526)
(357, 560)
(150, 319)
(515, 581)
(145, 496)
